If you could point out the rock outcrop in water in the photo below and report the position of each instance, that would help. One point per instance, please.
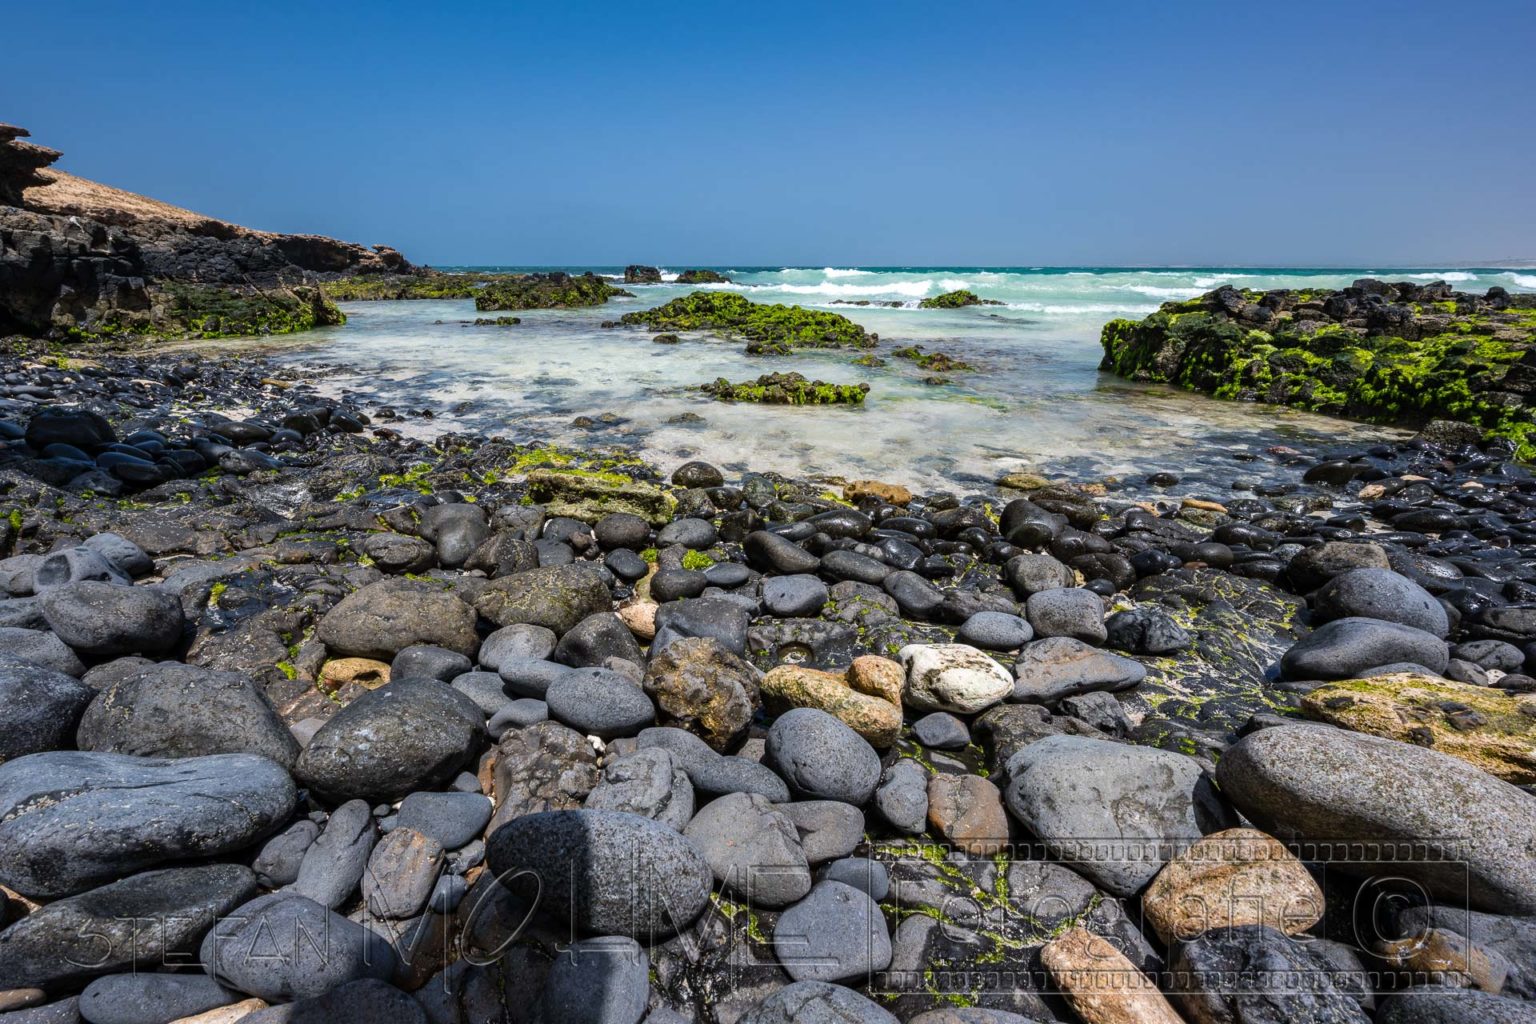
(545, 291)
(90, 262)
(769, 329)
(786, 389)
(1392, 353)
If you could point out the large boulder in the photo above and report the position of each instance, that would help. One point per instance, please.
(752, 848)
(556, 597)
(606, 872)
(384, 618)
(1113, 811)
(1486, 727)
(175, 710)
(700, 686)
(42, 707)
(108, 619)
(146, 920)
(1380, 594)
(407, 735)
(1236, 877)
(1061, 666)
(1345, 648)
(1472, 832)
(72, 820)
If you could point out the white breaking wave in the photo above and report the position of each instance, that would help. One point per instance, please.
(909, 289)
(1155, 292)
(839, 272)
(1079, 307)
(1446, 276)
(1523, 280)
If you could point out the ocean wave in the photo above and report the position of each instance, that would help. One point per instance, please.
(909, 289)
(841, 272)
(1080, 307)
(1158, 292)
(1523, 280)
(1450, 277)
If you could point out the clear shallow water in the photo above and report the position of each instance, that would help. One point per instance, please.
(1038, 402)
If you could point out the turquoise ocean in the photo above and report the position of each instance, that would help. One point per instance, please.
(1037, 401)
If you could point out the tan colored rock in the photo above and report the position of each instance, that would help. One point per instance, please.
(791, 686)
(1101, 985)
(225, 1014)
(878, 677)
(1485, 727)
(20, 998)
(1445, 957)
(894, 494)
(640, 618)
(1235, 877)
(1202, 506)
(365, 672)
(968, 811)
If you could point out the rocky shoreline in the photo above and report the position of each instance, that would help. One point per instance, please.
(774, 750)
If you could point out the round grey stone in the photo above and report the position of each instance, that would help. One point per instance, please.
(837, 933)
(105, 619)
(819, 756)
(283, 946)
(453, 819)
(996, 631)
(752, 848)
(599, 703)
(796, 596)
(1344, 648)
(1380, 594)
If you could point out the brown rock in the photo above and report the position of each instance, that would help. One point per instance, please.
(878, 677)
(968, 811)
(704, 688)
(895, 494)
(791, 686)
(365, 672)
(1440, 956)
(640, 618)
(1235, 877)
(20, 998)
(544, 767)
(1102, 986)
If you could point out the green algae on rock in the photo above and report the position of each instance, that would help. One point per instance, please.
(1486, 727)
(425, 285)
(955, 300)
(183, 310)
(591, 496)
(546, 291)
(702, 277)
(769, 330)
(1389, 353)
(786, 389)
(939, 362)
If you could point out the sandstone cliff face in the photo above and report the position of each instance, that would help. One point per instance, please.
(78, 257)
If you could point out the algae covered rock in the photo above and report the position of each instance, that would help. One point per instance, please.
(769, 329)
(1483, 726)
(954, 300)
(786, 389)
(1394, 353)
(702, 277)
(591, 496)
(546, 291)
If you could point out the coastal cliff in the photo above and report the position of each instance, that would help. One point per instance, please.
(84, 261)
(1391, 353)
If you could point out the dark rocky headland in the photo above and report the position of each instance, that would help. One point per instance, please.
(308, 720)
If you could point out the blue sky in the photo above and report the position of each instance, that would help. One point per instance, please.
(810, 133)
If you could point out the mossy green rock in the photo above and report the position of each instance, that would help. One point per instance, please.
(546, 291)
(1389, 353)
(786, 389)
(955, 300)
(1483, 726)
(425, 285)
(591, 496)
(702, 277)
(556, 597)
(769, 329)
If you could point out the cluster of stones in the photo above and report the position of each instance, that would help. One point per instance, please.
(330, 738)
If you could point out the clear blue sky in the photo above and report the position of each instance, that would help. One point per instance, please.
(810, 133)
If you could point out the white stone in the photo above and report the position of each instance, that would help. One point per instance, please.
(952, 677)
